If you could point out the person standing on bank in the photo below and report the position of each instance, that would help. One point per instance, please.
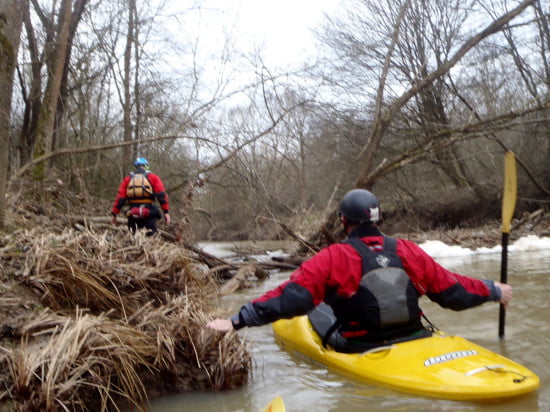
(140, 189)
(371, 281)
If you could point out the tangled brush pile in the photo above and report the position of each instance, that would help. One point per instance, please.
(107, 320)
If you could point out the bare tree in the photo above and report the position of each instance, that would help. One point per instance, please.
(131, 39)
(384, 116)
(43, 112)
(10, 28)
(396, 57)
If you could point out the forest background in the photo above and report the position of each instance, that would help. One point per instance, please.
(416, 100)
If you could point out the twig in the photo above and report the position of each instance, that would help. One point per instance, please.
(304, 242)
(536, 216)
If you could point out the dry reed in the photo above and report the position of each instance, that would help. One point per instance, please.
(84, 361)
(122, 320)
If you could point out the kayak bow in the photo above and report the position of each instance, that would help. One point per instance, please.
(440, 366)
(276, 405)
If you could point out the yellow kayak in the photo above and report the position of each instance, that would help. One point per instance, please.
(276, 405)
(440, 366)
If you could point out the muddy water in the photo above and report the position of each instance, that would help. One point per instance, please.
(306, 385)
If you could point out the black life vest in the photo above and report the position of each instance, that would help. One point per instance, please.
(139, 188)
(386, 303)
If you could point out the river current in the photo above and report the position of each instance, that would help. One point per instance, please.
(306, 385)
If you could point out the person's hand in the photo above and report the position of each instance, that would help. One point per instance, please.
(167, 218)
(221, 325)
(113, 220)
(505, 292)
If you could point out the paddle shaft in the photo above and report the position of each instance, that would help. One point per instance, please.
(503, 279)
(509, 197)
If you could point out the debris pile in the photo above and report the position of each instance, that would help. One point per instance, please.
(96, 320)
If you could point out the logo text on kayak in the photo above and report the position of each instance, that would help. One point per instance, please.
(449, 356)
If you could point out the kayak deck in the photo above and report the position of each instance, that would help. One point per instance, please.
(441, 366)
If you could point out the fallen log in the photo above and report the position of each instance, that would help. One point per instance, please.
(263, 267)
(532, 218)
(239, 280)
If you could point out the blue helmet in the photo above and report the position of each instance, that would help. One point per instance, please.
(141, 161)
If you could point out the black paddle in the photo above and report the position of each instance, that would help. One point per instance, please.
(509, 196)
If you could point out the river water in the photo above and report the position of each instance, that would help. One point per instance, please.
(304, 384)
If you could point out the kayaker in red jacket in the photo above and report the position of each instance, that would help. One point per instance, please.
(140, 189)
(379, 306)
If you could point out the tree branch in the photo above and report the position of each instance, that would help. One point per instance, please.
(382, 124)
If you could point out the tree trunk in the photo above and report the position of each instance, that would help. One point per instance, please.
(10, 31)
(127, 151)
(76, 16)
(31, 96)
(56, 57)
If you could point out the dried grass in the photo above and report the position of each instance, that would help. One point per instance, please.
(85, 360)
(103, 272)
(122, 320)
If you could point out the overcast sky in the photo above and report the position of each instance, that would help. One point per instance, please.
(282, 28)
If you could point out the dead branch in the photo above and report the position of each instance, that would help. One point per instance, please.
(304, 242)
(239, 280)
(216, 265)
(532, 218)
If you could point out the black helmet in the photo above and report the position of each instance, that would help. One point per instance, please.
(361, 206)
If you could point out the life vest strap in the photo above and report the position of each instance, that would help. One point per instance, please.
(141, 201)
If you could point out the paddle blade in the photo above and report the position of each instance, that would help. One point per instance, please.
(276, 405)
(509, 194)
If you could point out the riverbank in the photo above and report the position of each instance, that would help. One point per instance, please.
(94, 318)
(97, 320)
(488, 235)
